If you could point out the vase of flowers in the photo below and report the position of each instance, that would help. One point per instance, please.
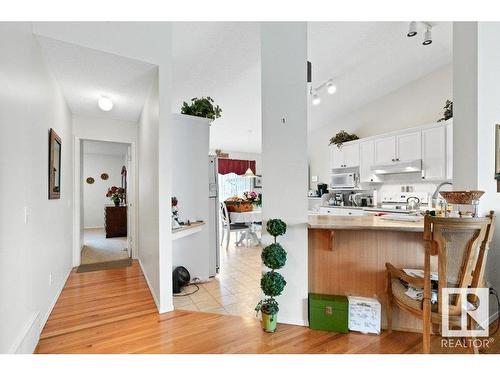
(116, 195)
(252, 197)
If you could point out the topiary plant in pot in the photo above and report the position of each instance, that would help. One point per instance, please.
(272, 283)
(202, 107)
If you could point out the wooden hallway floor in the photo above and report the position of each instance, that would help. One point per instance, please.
(112, 311)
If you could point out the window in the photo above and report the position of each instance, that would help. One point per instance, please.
(231, 184)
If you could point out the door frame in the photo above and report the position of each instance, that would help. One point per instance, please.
(77, 202)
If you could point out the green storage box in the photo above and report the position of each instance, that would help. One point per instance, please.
(328, 313)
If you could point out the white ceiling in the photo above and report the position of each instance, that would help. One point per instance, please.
(105, 148)
(367, 59)
(221, 60)
(85, 74)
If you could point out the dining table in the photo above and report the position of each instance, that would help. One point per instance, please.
(252, 219)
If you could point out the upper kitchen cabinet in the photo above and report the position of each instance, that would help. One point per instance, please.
(409, 146)
(346, 156)
(434, 158)
(397, 148)
(366, 158)
(384, 150)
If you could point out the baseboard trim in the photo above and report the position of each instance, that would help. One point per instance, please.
(149, 285)
(93, 228)
(22, 339)
(29, 337)
(54, 301)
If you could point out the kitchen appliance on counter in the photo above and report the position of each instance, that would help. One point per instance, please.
(343, 180)
(360, 200)
(322, 189)
(404, 203)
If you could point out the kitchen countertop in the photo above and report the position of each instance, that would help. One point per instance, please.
(362, 223)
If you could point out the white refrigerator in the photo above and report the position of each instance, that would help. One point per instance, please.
(213, 217)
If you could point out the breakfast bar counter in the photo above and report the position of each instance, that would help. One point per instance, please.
(347, 256)
(363, 223)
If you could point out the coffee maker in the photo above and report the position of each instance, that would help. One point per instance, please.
(322, 189)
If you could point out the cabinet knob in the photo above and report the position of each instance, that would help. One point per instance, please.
(423, 177)
(371, 179)
(393, 159)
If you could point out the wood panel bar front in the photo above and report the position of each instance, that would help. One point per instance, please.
(352, 262)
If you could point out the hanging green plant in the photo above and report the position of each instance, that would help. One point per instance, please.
(202, 107)
(341, 137)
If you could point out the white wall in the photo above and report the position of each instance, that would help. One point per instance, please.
(94, 195)
(477, 61)
(150, 42)
(30, 104)
(190, 186)
(110, 130)
(284, 146)
(418, 103)
(148, 191)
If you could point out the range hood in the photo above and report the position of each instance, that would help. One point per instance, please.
(398, 167)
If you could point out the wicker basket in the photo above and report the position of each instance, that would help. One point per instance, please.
(238, 206)
(461, 197)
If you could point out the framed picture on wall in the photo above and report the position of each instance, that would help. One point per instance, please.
(54, 165)
(258, 181)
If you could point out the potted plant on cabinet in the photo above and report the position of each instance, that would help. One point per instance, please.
(202, 107)
(272, 283)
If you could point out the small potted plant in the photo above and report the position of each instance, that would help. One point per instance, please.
(202, 107)
(116, 195)
(341, 137)
(448, 111)
(272, 283)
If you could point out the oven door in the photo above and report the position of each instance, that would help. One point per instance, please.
(343, 180)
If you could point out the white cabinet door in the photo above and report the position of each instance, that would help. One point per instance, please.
(409, 146)
(351, 155)
(336, 157)
(366, 161)
(434, 153)
(449, 150)
(385, 150)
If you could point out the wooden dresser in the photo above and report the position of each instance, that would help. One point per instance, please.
(115, 219)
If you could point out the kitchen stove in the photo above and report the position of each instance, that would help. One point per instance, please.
(396, 202)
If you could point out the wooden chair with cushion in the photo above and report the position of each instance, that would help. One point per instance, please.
(227, 227)
(461, 247)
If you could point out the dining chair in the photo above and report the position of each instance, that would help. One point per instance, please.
(461, 247)
(227, 227)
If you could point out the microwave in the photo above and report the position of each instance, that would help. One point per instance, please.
(343, 180)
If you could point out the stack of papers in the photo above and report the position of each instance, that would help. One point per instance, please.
(417, 294)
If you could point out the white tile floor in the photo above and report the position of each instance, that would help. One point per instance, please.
(235, 291)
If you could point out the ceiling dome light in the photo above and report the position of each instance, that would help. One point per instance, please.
(316, 99)
(412, 30)
(427, 37)
(331, 88)
(105, 104)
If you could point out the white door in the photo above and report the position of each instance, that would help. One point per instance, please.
(366, 159)
(351, 154)
(434, 153)
(385, 150)
(409, 146)
(336, 157)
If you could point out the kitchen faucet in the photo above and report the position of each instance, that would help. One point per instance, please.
(436, 192)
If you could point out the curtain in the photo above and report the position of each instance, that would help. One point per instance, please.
(236, 166)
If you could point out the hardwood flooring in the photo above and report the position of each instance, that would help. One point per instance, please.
(112, 311)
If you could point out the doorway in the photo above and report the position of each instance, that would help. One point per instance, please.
(105, 224)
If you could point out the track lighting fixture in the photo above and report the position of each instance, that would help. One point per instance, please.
(316, 99)
(412, 30)
(427, 36)
(330, 89)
